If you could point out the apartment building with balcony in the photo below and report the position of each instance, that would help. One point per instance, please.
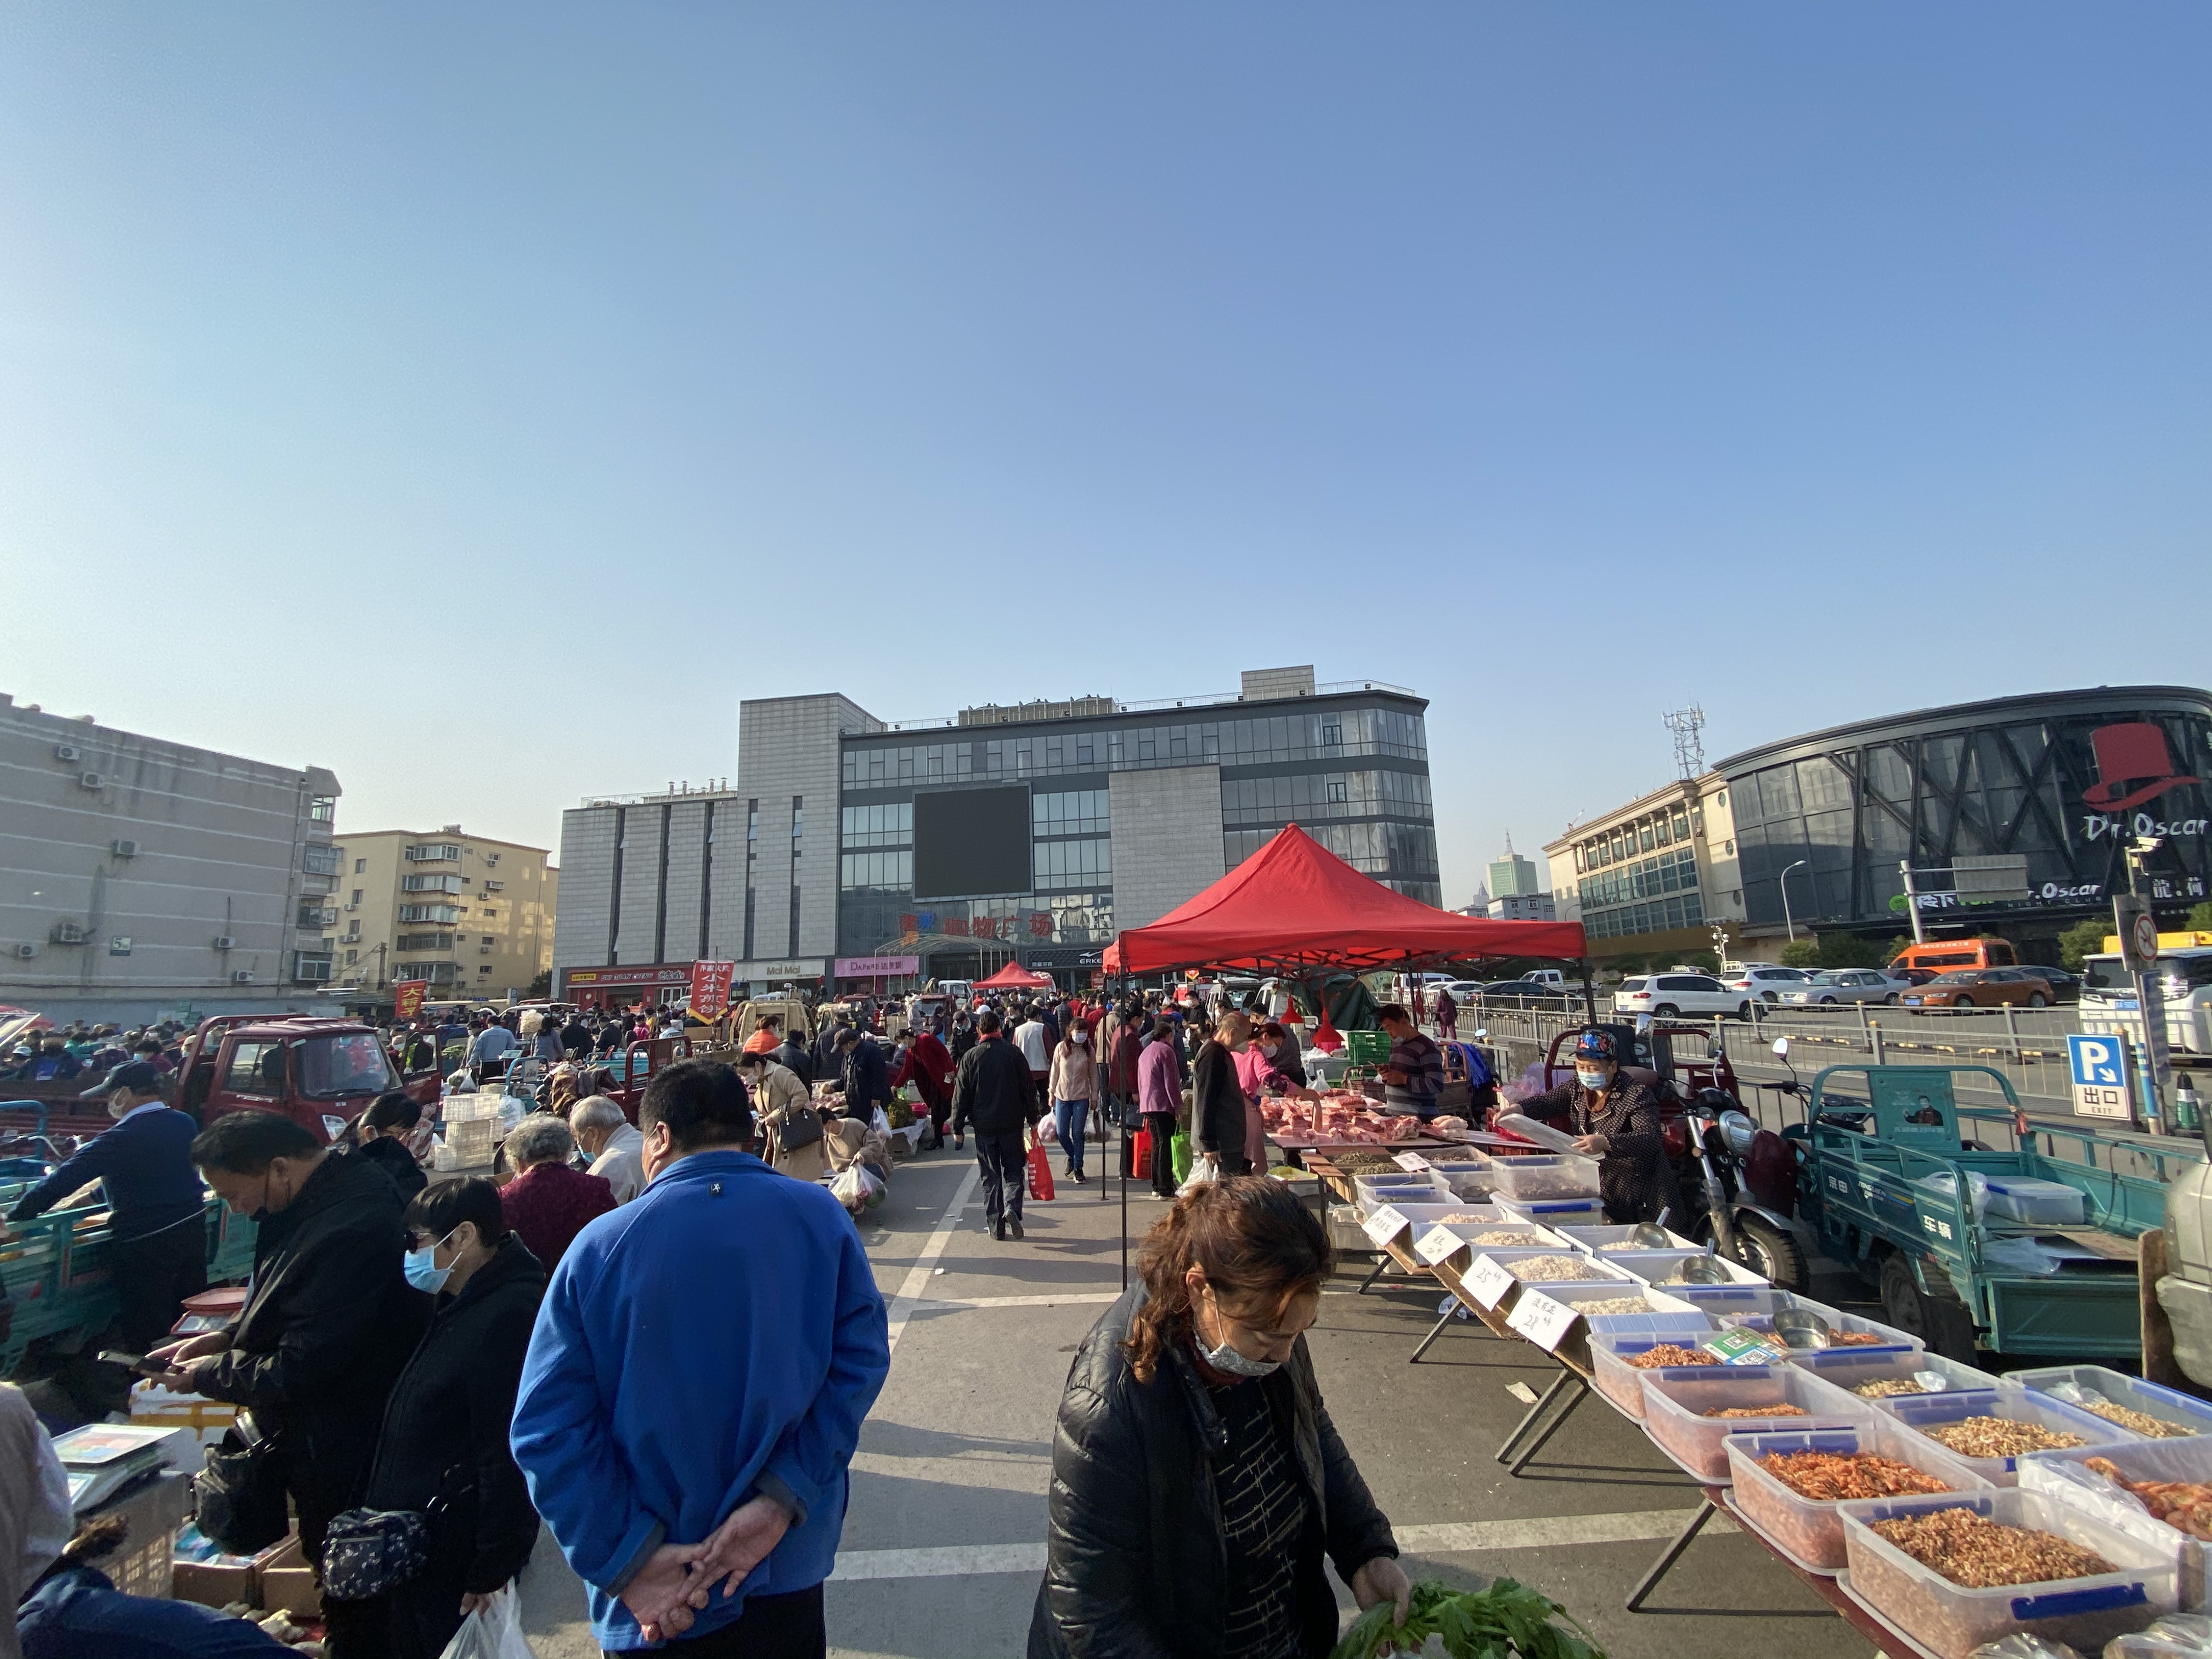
(470, 915)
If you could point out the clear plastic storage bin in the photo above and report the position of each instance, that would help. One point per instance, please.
(1553, 1175)
(1465, 1180)
(1808, 1531)
(1662, 1312)
(1655, 1266)
(2185, 1411)
(1429, 1214)
(2059, 1475)
(1675, 1403)
(1951, 1621)
(1849, 1368)
(1397, 1191)
(1622, 1383)
(1557, 1212)
(1922, 1412)
(2034, 1203)
(1595, 1239)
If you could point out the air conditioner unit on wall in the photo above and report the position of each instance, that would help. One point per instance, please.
(67, 751)
(67, 932)
(224, 941)
(91, 780)
(25, 953)
(124, 849)
(243, 977)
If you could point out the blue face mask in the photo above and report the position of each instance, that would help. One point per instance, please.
(422, 1269)
(1593, 1081)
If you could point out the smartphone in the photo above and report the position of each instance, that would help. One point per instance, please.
(136, 1362)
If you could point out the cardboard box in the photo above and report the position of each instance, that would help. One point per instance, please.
(213, 1583)
(288, 1581)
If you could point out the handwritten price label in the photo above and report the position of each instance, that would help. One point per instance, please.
(1438, 1244)
(1384, 1225)
(1413, 1161)
(1543, 1320)
(1487, 1281)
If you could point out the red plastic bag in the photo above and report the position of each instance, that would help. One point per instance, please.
(1040, 1175)
(1140, 1155)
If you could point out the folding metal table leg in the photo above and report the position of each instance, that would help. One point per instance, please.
(1451, 1308)
(1659, 1568)
(1581, 1393)
(1534, 1411)
(1382, 1264)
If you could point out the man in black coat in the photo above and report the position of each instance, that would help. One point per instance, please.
(330, 1320)
(864, 1073)
(790, 1053)
(1217, 1098)
(992, 1088)
(384, 1131)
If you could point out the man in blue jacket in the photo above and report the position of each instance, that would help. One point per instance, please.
(159, 1253)
(696, 1385)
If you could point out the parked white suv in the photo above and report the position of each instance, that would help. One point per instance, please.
(1765, 981)
(1665, 995)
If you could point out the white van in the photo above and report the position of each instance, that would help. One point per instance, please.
(2110, 1007)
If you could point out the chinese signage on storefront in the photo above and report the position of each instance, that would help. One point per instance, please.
(877, 967)
(407, 998)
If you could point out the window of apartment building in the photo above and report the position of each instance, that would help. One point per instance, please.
(1339, 790)
(430, 883)
(444, 851)
(320, 860)
(354, 903)
(321, 809)
(360, 868)
(489, 940)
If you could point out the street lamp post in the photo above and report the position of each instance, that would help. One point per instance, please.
(1786, 921)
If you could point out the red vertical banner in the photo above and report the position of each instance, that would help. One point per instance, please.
(407, 996)
(710, 989)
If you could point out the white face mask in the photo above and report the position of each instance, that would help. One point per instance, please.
(1270, 1049)
(1230, 1363)
(1079, 1037)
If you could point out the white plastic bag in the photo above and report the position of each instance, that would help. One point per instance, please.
(493, 1632)
(857, 1186)
(1204, 1172)
(881, 1124)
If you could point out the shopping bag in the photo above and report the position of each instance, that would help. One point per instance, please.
(857, 1186)
(1179, 1157)
(1204, 1172)
(1040, 1175)
(491, 1633)
(1140, 1156)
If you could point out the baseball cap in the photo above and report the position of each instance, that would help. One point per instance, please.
(140, 1076)
(1595, 1045)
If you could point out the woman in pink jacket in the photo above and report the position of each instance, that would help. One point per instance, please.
(1159, 1097)
(1256, 1073)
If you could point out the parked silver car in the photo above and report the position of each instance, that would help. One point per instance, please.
(1832, 985)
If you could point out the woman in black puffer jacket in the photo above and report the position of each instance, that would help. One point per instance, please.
(1197, 1481)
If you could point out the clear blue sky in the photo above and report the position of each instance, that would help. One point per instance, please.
(480, 400)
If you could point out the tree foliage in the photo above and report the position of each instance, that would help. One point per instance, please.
(2083, 939)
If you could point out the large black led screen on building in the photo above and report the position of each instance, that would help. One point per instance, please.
(971, 843)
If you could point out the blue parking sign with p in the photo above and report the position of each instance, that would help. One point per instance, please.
(2098, 1062)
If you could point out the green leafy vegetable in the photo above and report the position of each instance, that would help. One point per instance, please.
(1507, 1618)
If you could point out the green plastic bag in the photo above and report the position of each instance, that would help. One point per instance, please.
(1179, 1153)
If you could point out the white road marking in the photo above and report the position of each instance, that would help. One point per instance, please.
(909, 1296)
(962, 1561)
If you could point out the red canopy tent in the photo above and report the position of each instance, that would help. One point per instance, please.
(1015, 978)
(1294, 903)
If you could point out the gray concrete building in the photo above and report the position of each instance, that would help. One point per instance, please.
(141, 879)
(1032, 830)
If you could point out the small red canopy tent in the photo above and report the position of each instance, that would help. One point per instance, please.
(1294, 903)
(1015, 978)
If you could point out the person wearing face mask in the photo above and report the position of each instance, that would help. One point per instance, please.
(326, 1329)
(1615, 1120)
(1073, 1086)
(1219, 1125)
(443, 1452)
(1258, 1075)
(144, 1165)
(1197, 1480)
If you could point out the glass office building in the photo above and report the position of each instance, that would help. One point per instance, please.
(1347, 763)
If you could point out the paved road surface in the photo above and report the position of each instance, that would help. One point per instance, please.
(944, 1541)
